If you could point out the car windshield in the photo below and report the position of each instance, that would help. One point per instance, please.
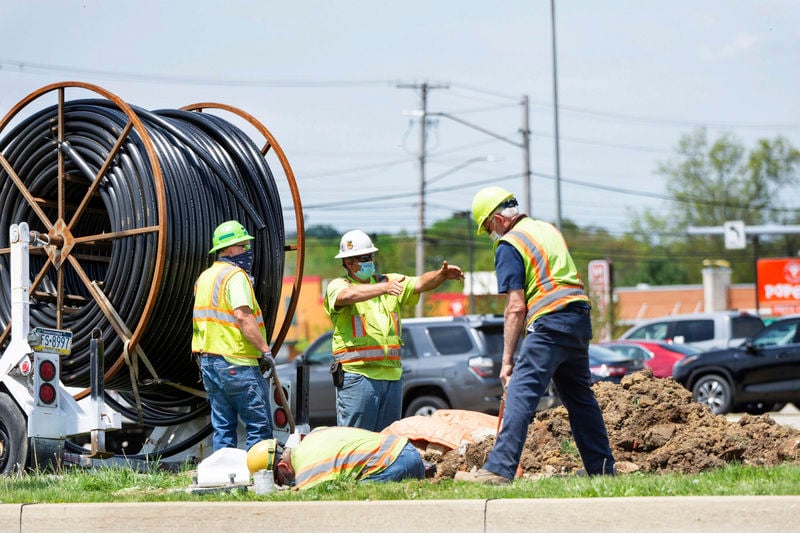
(599, 355)
(778, 334)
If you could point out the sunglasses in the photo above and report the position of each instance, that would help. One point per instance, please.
(364, 258)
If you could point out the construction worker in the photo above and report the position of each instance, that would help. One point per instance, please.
(545, 303)
(348, 454)
(229, 338)
(365, 309)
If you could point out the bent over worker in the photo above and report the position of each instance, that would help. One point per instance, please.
(546, 303)
(348, 454)
(229, 337)
(365, 310)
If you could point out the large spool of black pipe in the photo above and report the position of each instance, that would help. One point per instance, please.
(135, 196)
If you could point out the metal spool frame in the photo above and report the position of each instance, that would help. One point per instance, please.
(64, 236)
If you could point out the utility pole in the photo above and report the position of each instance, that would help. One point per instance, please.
(423, 137)
(524, 144)
(555, 114)
(526, 154)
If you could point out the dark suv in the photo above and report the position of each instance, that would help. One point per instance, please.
(760, 375)
(448, 363)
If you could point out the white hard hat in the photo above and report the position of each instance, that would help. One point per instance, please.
(354, 243)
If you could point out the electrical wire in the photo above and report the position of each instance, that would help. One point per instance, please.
(211, 171)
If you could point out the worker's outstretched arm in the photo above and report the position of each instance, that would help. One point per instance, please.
(366, 291)
(434, 278)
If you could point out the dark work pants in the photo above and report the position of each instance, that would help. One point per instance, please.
(557, 348)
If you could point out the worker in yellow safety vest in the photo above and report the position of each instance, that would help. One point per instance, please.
(547, 306)
(229, 338)
(348, 454)
(365, 309)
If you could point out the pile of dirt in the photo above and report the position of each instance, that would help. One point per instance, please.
(653, 426)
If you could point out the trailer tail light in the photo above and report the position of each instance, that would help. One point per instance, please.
(45, 379)
(280, 419)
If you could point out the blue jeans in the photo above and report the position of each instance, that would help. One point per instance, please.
(236, 392)
(408, 465)
(557, 348)
(367, 403)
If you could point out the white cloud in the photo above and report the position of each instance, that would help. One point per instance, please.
(741, 43)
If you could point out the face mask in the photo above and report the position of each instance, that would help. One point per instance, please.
(367, 270)
(244, 260)
(494, 236)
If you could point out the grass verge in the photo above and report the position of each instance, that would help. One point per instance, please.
(109, 484)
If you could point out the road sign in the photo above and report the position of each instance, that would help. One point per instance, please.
(735, 237)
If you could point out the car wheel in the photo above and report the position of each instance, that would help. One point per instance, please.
(13, 437)
(715, 392)
(425, 406)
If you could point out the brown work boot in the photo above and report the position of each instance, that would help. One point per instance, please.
(482, 476)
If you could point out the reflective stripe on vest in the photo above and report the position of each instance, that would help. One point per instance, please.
(548, 287)
(368, 353)
(359, 325)
(356, 463)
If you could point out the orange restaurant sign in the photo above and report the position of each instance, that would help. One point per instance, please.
(779, 285)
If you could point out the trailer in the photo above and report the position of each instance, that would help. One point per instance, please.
(108, 209)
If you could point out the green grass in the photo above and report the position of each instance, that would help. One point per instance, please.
(125, 485)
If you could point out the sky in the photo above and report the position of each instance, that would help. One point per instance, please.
(337, 84)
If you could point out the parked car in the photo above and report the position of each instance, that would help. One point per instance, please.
(448, 363)
(705, 331)
(658, 356)
(606, 365)
(761, 375)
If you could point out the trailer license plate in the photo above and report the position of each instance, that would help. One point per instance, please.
(52, 341)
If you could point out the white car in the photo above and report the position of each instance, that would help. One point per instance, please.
(705, 331)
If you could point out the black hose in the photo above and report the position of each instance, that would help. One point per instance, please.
(212, 172)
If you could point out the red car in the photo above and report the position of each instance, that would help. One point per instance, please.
(659, 356)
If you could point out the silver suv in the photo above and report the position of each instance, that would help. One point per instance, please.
(705, 331)
(448, 363)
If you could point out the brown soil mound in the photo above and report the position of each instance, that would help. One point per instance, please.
(653, 426)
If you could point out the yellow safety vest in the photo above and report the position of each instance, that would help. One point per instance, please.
(367, 335)
(343, 453)
(551, 278)
(214, 326)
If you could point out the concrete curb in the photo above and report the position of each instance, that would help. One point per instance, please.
(704, 513)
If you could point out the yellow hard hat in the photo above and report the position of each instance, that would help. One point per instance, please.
(229, 233)
(486, 201)
(261, 455)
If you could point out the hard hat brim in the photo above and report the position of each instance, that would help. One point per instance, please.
(354, 253)
(221, 245)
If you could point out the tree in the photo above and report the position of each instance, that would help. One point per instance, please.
(711, 183)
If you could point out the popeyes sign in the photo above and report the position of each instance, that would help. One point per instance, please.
(779, 285)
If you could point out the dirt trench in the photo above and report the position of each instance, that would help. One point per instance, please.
(653, 426)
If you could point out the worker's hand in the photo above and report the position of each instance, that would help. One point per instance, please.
(505, 373)
(451, 271)
(394, 287)
(267, 364)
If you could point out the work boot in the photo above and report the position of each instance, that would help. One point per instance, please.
(482, 476)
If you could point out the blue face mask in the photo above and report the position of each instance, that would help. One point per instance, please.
(244, 260)
(367, 270)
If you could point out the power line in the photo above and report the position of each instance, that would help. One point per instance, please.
(26, 66)
(655, 121)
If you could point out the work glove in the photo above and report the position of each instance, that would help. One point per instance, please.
(267, 364)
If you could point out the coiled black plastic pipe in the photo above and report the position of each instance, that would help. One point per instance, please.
(212, 172)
